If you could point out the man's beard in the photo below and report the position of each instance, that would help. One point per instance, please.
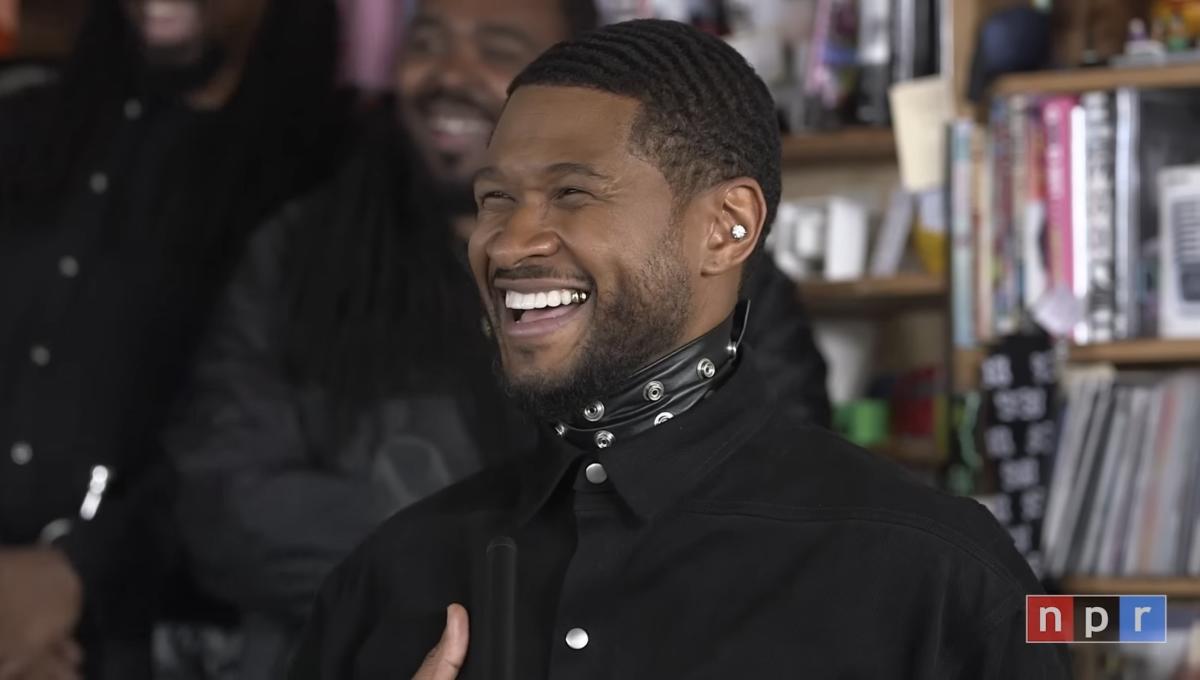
(631, 328)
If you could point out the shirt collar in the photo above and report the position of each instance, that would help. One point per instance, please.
(654, 469)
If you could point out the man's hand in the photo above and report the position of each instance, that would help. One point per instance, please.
(445, 660)
(41, 599)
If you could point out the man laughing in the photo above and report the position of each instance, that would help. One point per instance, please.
(674, 523)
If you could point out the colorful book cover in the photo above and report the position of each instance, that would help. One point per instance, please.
(1056, 119)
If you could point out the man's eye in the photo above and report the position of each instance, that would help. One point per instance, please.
(569, 192)
(485, 197)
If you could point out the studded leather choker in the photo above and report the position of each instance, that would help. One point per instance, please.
(660, 391)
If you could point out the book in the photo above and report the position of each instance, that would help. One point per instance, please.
(1110, 458)
(1116, 518)
(1003, 285)
(962, 255)
(1056, 121)
(1035, 253)
(984, 259)
(1079, 217)
(1081, 496)
(1100, 215)
(1082, 388)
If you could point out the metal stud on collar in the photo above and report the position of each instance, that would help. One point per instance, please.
(706, 369)
(593, 411)
(604, 439)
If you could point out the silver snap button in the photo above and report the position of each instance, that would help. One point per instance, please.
(654, 391)
(593, 412)
(577, 638)
(706, 369)
(39, 355)
(604, 439)
(595, 473)
(21, 453)
(133, 109)
(68, 266)
(98, 183)
(560, 429)
(663, 417)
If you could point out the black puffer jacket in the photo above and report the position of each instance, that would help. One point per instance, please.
(270, 503)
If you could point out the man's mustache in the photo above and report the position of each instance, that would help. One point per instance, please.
(535, 271)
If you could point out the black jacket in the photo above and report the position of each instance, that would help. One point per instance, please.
(727, 542)
(270, 503)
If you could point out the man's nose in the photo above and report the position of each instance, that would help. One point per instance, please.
(524, 235)
(459, 68)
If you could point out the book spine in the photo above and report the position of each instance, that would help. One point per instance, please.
(1003, 303)
(1018, 190)
(1056, 118)
(984, 237)
(1079, 219)
(1101, 299)
(1035, 247)
(1127, 232)
(962, 272)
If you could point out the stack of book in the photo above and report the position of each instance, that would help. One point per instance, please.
(1057, 218)
(1124, 495)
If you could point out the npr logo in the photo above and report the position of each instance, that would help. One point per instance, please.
(1096, 618)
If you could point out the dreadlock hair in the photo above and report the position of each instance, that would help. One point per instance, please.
(705, 115)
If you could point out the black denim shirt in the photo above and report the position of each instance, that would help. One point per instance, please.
(726, 543)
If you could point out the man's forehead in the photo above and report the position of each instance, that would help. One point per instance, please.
(543, 125)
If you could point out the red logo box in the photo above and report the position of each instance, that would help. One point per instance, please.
(1049, 618)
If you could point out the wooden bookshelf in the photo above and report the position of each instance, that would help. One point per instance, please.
(1179, 587)
(871, 296)
(1109, 78)
(851, 145)
(1139, 352)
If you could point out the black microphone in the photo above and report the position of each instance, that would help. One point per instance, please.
(502, 607)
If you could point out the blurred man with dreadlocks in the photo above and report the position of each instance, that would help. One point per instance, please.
(126, 188)
(348, 375)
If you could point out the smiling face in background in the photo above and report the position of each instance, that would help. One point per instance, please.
(457, 61)
(194, 36)
(565, 207)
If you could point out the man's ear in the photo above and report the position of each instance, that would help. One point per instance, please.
(736, 226)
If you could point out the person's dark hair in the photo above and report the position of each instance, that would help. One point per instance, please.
(380, 298)
(705, 114)
(581, 16)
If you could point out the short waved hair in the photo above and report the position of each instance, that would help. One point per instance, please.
(705, 116)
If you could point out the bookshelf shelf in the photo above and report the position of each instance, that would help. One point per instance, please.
(1139, 352)
(846, 146)
(872, 296)
(1180, 587)
(1083, 80)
